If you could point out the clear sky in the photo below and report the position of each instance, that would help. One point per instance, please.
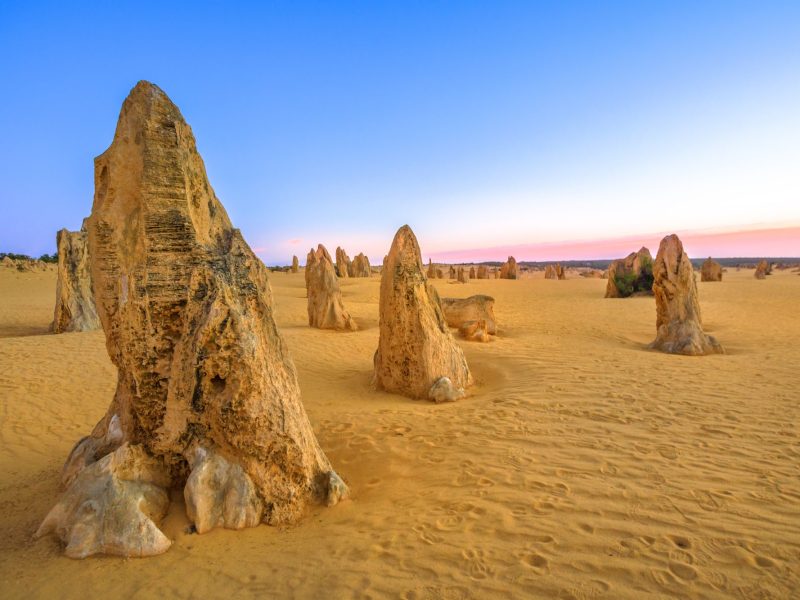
(483, 125)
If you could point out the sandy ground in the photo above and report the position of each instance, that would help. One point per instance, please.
(582, 465)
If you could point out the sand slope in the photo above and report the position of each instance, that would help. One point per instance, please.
(582, 466)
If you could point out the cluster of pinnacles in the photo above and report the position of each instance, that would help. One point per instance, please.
(207, 397)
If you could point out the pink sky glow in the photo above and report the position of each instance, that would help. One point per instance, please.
(784, 241)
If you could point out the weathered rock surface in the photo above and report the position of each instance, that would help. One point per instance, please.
(555, 271)
(472, 272)
(711, 270)
(475, 331)
(343, 266)
(431, 270)
(311, 258)
(295, 264)
(678, 323)
(415, 347)
(452, 272)
(762, 270)
(458, 311)
(631, 275)
(509, 269)
(75, 309)
(439, 274)
(443, 390)
(462, 275)
(8, 263)
(207, 395)
(483, 272)
(113, 506)
(325, 307)
(360, 266)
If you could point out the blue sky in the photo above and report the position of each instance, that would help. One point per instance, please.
(479, 124)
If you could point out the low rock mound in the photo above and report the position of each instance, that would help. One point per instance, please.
(555, 271)
(458, 311)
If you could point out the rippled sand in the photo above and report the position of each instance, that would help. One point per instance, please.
(582, 465)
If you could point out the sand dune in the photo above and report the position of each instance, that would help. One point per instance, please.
(581, 465)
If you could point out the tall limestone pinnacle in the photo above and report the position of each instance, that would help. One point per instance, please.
(679, 328)
(416, 356)
(207, 395)
(74, 310)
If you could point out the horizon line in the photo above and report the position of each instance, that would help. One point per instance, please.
(761, 242)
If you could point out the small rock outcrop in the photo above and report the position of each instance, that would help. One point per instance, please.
(75, 309)
(472, 272)
(462, 275)
(592, 274)
(555, 271)
(483, 272)
(295, 264)
(207, 395)
(325, 307)
(678, 323)
(458, 311)
(711, 270)
(443, 390)
(452, 272)
(431, 270)
(415, 347)
(439, 274)
(475, 331)
(343, 266)
(632, 275)
(360, 266)
(509, 269)
(762, 270)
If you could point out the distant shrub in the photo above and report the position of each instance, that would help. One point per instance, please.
(630, 283)
(14, 256)
(48, 258)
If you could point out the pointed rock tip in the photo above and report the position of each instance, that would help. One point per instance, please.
(405, 240)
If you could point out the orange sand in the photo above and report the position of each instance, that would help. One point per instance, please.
(582, 465)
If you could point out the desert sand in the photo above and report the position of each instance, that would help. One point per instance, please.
(581, 465)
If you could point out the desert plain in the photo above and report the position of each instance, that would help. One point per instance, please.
(581, 465)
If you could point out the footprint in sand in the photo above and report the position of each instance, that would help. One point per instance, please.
(763, 561)
(683, 571)
(668, 452)
(476, 563)
(450, 522)
(535, 561)
(426, 536)
(542, 539)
